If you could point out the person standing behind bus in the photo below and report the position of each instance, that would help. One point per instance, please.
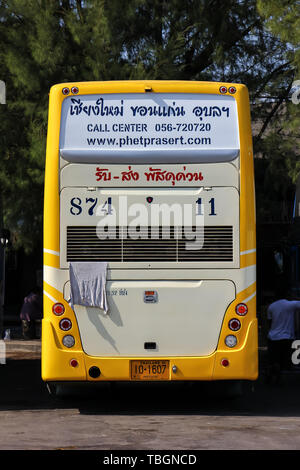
(31, 311)
(281, 315)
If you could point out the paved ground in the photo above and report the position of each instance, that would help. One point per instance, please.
(139, 416)
(21, 349)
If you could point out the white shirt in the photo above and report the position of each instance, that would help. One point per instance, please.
(88, 280)
(282, 313)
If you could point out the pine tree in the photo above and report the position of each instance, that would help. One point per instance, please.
(43, 43)
(278, 137)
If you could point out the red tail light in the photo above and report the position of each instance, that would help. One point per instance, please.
(241, 309)
(65, 324)
(225, 362)
(58, 309)
(234, 324)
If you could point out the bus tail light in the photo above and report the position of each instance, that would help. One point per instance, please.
(232, 89)
(231, 341)
(241, 309)
(65, 91)
(65, 324)
(234, 324)
(73, 363)
(223, 89)
(75, 90)
(225, 362)
(58, 309)
(68, 341)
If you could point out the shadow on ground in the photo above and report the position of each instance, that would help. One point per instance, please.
(23, 389)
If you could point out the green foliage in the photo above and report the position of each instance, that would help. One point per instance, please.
(46, 42)
(279, 141)
(283, 19)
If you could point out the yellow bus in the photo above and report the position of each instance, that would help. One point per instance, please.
(149, 233)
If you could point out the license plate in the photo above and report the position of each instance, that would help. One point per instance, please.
(150, 370)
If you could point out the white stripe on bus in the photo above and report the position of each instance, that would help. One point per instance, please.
(249, 298)
(50, 297)
(248, 251)
(51, 252)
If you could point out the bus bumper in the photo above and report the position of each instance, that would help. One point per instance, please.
(242, 362)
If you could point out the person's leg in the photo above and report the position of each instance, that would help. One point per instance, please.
(28, 329)
(285, 354)
(273, 371)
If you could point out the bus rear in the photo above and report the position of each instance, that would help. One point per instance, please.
(149, 210)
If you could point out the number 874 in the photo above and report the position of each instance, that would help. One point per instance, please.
(89, 205)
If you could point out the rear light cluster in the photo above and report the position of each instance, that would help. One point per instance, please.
(65, 324)
(68, 341)
(234, 324)
(223, 89)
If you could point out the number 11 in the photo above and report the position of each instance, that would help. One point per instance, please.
(212, 206)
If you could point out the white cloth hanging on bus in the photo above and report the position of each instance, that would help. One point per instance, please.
(88, 281)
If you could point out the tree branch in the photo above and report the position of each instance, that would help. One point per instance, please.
(80, 11)
(268, 78)
(205, 58)
(274, 110)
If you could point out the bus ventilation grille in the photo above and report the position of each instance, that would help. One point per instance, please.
(143, 244)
